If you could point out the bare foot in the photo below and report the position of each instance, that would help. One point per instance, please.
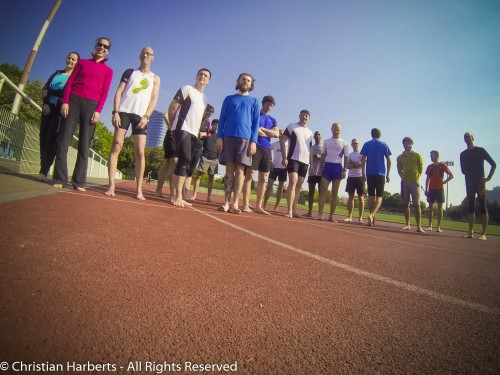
(332, 219)
(406, 227)
(110, 192)
(439, 230)
(42, 177)
(193, 198)
(289, 214)
(181, 203)
(260, 210)
(159, 194)
(309, 215)
(429, 229)
(58, 186)
(296, 215)
(361, 221)
(420, 230)
(79, 188)
(247, 210)
(319, 217)
(276, 209)
(348, 220)
(208, 199)
(140, 197)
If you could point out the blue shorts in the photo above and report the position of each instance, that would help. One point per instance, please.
(332, 171)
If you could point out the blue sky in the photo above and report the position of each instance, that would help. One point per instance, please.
(425, 69)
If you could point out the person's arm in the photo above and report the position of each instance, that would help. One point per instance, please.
(269, 133)
(152, 103)
(115, 117)
(346, 161)
(493, 165)
(68, 88)
(108, 76)
(449, 178)
(172, 110)
(252, 146)
(399, 166)
(389, 163)
(427, 180)
(363, 167)
(283, 138)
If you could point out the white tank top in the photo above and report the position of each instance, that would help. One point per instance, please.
(137, 94)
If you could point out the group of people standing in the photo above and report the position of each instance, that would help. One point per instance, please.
(241, 140)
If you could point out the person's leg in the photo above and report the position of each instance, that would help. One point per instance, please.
(440, 217)
(334, 199)
(298, 186)
(210, 184)
(431, 214)
(418, 217)
(310, 197)
(162, 175)
(322, 197)
(140, 163)
(68, 127)
(407, 216)
(361, 207)
(239, 178)
(170, 173)
(196, 184)
(228, 185)
(87, 131)
(279, 195)
(350, 208)
(260, 193)
(247, 188)
(116, 146)
(44, 131)
(267, 194)
(184, 147)
(290, 194)
(51, 140)
(485, 219)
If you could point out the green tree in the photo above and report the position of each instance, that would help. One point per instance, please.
(32, 89)
(154, 160)
(126, 159)
(103, 139)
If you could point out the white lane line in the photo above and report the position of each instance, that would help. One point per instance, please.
(399, 284)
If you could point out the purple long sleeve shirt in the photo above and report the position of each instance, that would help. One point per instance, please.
(91, 80)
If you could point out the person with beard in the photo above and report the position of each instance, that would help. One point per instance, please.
(237, 137)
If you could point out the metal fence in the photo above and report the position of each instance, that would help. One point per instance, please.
(20, 149)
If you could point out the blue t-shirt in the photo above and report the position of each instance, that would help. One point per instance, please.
(266, 122)
(57, 83)
(375, 151)
(239, 117)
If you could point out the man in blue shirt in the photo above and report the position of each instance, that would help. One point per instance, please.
(374, 171)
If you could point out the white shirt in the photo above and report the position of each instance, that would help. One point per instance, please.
(356, 157)
(299, 142)
(335, 150)
(277, 157)
(190, 113)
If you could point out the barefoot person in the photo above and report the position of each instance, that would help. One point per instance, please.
(171, 157)
(315, 171)
(354, 183)
(410, 166)
(237, 137)
(297, 160)
(374, 171)
(84, 98)
(434, 187)
(277, 173)
(261, 161)
(209, 161)
(52, 93)
(185, 113)
(335, 151)
(472, 164)
(134, 102)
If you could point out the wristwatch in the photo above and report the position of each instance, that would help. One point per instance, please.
(114, 111)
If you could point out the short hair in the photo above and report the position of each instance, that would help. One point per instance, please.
(376, 133)
(75, 53)
(407, 139)
(105, 38)
(268, 99)
(216, 120)
(248, 75)
(470, 135)
(209, 108)
(306, 112)
(204, 70)
(317, 132)
(436, 153)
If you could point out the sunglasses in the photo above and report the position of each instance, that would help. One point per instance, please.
(105, 46)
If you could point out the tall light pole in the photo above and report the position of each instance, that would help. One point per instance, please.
(449, 164)
(32, 55)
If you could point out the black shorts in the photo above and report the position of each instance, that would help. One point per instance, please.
(478, 189)
(376, 184)
(314, 180)
(355, 185)
(169, 149)
(298, 167)
(435, 196)
(127, 119)
(261, 161)
(185, 143)
(195, 158)
(279, 174)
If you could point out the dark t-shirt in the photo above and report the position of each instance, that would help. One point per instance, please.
(472, 164)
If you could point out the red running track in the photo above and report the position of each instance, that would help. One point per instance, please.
(122, 282)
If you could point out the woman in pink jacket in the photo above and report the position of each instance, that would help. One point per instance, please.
(84, 97)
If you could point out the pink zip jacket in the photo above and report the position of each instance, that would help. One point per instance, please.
(89, 80)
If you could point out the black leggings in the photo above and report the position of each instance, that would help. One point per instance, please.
(185, 142)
